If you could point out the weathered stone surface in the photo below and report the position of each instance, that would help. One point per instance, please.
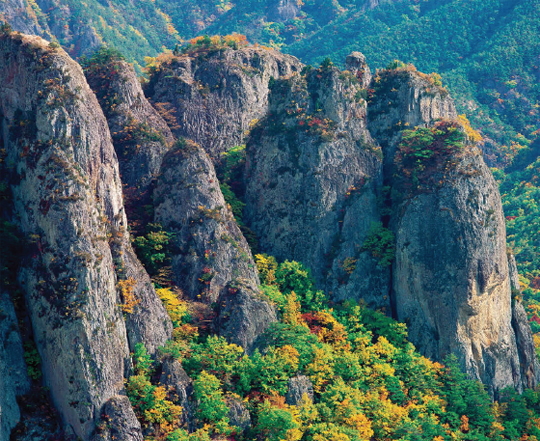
(141, 138)
(356, 64)
(528, 360)
(312, 176)
(211, 251)
(68, 200)
(298, 387)
(405, 98)
(140, 135)
(243, 313)
(189, 203)
(218, 93)
(13, 377)
(118, 421)
(180, 388)
(450, 278)
(514, 275)
(238, 414)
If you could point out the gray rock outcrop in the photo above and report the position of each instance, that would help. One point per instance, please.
(218, 94)
(189, 203)
(450, 278)
(180, 388)
(404, 99)
(311, 195)
(243, 314)
(119, 421)
(529, 364)
(140, 135)
(238, 414)
(298, 387)
(356, 64)
(67, 197)
(313, 173)
(211, 256)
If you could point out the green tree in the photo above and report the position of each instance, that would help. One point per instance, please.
(211, 406)
(154, 248)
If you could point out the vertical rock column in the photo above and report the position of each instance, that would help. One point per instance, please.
(68, 202)
(212, 262)
(312, 176)
(450, 276)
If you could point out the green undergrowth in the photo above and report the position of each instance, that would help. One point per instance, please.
(425, 152)
(380, 243)
(230, 171)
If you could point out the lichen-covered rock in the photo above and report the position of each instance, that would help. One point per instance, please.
(450, 277)
(299, 387)
(243, 313)
(180, 388)
(67, 199)
(140, 135)
(238, 414)
(13, 377)
(218, 93)
(404, 98)
(312, 176)
(211, 252)
(118, 422)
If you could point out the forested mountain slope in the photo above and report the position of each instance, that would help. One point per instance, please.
(215, 192)
(251, 348)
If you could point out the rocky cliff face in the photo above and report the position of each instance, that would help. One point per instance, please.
(13, 378)
(218, 93)
(212, 261)
(67, 199)
(211, 256)
(316, 182)
(450, 277)
(409, 221)
(312, 176)
(140, 135)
